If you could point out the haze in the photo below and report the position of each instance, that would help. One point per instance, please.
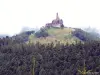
(16, 14)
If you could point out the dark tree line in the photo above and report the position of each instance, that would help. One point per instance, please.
(41, 33)
(85, 36)
(16, 58)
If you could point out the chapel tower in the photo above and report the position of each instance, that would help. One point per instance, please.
(57, 16)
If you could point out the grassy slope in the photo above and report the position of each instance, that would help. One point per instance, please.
(56, 34)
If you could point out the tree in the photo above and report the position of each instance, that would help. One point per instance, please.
(62, 26)
(41, 33)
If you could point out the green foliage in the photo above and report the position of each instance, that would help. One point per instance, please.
(84, 71)
(33, 67)
(85, 36)
(48, 59)
(23, 37)
(41, 33)
(62, 26)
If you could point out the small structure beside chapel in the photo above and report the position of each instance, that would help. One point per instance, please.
(56, 22)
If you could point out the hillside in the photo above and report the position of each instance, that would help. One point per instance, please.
(41, 59)
(65, 35)
(19, 58)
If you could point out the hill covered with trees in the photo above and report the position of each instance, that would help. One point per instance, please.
(17, 57)
(40, 59)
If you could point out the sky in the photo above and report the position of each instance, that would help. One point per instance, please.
(16, 14)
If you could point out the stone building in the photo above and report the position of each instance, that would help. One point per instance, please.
(56, 22)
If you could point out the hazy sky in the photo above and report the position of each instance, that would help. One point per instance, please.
(15, 14)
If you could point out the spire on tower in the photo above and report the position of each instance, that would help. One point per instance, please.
(57, 16)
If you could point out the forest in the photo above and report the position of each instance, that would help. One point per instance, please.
(17, 58)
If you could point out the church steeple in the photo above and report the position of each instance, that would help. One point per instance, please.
(57, 16)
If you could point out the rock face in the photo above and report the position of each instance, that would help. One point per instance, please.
(56, 22)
